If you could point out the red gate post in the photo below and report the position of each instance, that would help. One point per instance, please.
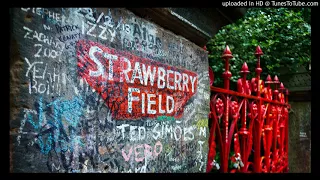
(282, 121)
(275, 125)
(268, 127)
(257, 124)
(226, 75)
(282, 124)
(244, 133)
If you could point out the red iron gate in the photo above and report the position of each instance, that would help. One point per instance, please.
(249, 127)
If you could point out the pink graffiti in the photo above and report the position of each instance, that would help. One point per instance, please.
(145, 154)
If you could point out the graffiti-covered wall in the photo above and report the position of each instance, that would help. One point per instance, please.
(102, 90)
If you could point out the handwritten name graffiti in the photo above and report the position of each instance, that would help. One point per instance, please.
(133, 35)
(66, 28)
(135, 87)
(102, 27)
(44, 40)
(42, 78)
(159, 131)
(147, 152)
(55, 131)
(139, 38)
(70, 35)
(45, 13)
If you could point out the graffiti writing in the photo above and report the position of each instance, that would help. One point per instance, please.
(146, 87)
(56, 131)
(44, 13)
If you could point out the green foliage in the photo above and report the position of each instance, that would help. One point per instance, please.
(283, 34)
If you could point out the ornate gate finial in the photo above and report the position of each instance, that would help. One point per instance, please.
(227, 74)
(276, 82)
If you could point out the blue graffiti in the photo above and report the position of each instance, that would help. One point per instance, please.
(45, 149)
(54, 136)
(71, 111)
(37, 126)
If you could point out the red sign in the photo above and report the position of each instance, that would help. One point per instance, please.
(135, 87)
